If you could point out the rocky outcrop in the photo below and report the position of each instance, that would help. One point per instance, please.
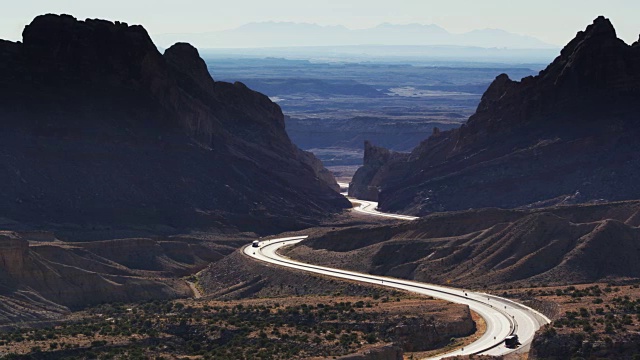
(547, 344)
(426, 334)
(99, 129)
(13, 253)
(367, 180)
(419, 333)
(386, 352)
(535, 142)
(185, 59)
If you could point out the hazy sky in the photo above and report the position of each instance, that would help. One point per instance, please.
(553, 21)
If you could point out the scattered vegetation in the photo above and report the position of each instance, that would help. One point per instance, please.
(269, 329)
(593, 321)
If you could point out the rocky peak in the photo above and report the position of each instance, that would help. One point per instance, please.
(580, 111)
(495, 91)
(600, 30)
(61, 42)
(601, 26)
(186, 59)
(114, 124)
(593, 73)
(594, 59)
(362, 185)
(374, 155)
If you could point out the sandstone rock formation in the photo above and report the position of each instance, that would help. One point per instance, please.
(101, 129)
(366, 182)
(570, 130)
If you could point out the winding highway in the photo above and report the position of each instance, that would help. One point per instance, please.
(503, 317)
(370, 208)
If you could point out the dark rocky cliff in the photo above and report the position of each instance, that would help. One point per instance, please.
(99, 128)
(372, 171)
(567, 135)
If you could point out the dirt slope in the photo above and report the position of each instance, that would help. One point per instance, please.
(569, 244)
(43, 280)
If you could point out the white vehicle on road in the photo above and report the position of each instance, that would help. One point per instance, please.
(503, 317)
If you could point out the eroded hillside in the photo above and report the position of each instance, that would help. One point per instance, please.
(44, 280)
(491, 247)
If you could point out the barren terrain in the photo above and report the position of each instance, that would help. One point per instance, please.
(44, 280)
(490, 247)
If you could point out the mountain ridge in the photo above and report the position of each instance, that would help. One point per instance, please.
(100, 130)
(566, 134)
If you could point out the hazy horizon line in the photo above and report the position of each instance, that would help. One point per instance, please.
(346, 27)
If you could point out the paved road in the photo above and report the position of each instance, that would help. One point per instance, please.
(502, 316)
(370, 207)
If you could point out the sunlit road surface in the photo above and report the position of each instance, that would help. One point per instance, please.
(502, 316)
(370, 207)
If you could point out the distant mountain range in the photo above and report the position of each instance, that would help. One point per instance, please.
(289, 34)
(406, 54)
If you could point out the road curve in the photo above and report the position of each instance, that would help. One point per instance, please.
(370, 207)
(502, 316)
